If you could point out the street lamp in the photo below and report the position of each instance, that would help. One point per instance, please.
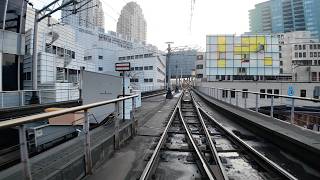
(169, 93)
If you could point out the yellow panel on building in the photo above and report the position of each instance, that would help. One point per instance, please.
(261, 40)
(268, 61)
(221, 40)
(253, 40)
(221, 63)
(245, 40)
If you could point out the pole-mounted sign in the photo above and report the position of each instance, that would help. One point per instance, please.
(123, 67)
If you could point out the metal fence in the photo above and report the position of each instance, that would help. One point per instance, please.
(23, 121)
(22, 98)
(301, 111)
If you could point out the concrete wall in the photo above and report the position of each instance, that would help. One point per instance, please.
(75, 168)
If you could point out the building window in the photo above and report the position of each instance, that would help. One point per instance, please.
(269, 91)
(73, 55)
(100, 57)
(314, 76)
(222, 55)
(134, 80)
(281, 70)
(311, 47)
(245, 94)
(27, 76)
(200, 66)
(296, 54)
(295, 47)
(280, 55)
(276, 91)
(100, 68)
(314, 46)
(303, 93)
(280, 48)
(304, 54)
(300, 47)
(315, 54)
(304, 47)
(311, 54)
(148, 80)
(199, 75)
(300, 55)
(262, 96)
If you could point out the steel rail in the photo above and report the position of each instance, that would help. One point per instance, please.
(276, 167)
(211, 144)
(150, 165)
(203, 161)
(38, 117)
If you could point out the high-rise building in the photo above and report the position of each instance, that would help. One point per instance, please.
(89, 14)
(278, 16)
(131, 22)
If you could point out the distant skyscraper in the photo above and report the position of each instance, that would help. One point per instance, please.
(131, 22)
(279, 16)
(90, 15)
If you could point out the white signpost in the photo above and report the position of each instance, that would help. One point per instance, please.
(123, 67)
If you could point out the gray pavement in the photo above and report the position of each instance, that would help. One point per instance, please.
(129, 161)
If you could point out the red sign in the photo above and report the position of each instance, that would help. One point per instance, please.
(123, 66)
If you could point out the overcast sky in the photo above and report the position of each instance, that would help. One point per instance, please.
(169, 20)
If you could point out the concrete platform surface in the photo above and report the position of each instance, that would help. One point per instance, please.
(129, 161)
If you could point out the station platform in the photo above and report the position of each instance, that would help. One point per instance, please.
(130, 160)
(297, 140)
(66, 161)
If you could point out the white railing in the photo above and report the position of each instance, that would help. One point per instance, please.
(10, 99)
(23, 121)
(281, 107)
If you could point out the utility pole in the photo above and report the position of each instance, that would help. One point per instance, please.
(41, 14)
(169, 93)
(177, 88)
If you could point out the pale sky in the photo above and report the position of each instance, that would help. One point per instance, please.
(169, 20)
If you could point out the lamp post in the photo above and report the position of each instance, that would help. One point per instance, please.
(169, 93)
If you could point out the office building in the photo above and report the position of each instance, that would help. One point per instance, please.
(279, 16)
(89, 14)
(132, 23)
(245, 57)
(12, 40)
(299, 56)
(64, 49)
(182, 63)
(200, 67)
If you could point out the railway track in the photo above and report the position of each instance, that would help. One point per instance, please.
(195, 146)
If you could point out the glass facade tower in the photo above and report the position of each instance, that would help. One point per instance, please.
(278, 16)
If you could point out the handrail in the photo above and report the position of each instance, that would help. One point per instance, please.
(27, 90)
(37, 117)
(267, 94)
